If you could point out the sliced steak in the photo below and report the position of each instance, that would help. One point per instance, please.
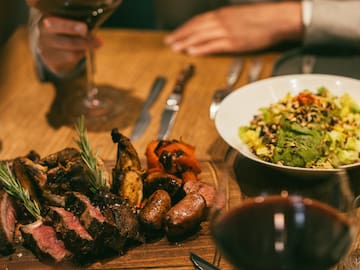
(68, 227)
(70, 176)
(105, 233)
(121, 213)
(126, 222)
(7, 223)
(61, 157)
(42, 241)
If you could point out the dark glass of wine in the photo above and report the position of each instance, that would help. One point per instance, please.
(98, 104)
(307, 226)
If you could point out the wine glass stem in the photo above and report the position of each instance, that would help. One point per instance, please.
(92, 90)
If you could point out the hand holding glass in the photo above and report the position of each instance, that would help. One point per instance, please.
(99, 103)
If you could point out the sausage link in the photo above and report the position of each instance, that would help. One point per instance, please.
(185, 216)
(153, 213)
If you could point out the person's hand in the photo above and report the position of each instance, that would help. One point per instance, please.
(63, 43)
(238, 28)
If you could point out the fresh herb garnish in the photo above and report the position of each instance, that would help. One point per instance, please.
(14, 188)
(95, 173)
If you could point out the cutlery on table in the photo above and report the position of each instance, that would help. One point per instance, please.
(231, 78)
(201, 263)
(255, 70)
(173, 102)
(254, 74)
(145, 117)
(308, 63)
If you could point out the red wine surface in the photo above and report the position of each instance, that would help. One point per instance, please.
(282, 233)
(92, 12)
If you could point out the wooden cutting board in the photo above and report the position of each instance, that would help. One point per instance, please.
(160, 254)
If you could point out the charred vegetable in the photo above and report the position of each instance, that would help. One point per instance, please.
(127, 174)
(174, 157)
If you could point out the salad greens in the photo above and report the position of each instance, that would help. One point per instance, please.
(311, 130)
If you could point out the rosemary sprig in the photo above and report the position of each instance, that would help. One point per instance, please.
(13, 187)
(90, 159)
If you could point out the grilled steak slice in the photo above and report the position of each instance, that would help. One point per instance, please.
(126, 222)
(70, 176)
(68, 227)
(7, 223)
(42, 241)
(62, 157)
(105, 233)
(121, 213)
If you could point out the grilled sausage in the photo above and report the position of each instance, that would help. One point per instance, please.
(161, 180)
(153, 213)
(204, 189)
(185, 216)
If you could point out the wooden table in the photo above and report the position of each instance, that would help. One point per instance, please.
(129, 61)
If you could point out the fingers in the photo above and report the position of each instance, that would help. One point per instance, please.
(63, 43)
(198, 39)
(238, 28)
(196, 34)
(214, 46)
(203, 35)
(57, 25)
(198, 24)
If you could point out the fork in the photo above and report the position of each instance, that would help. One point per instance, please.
(254, 73)
(231, 78)
(255, 70)
(308, 63)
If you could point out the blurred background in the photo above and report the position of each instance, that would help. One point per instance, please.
(12, 13)
(140, 14)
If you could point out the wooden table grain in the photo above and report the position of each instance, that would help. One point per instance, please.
(129, 61)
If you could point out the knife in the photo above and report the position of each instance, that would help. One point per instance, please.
(201, 263)
(173, 102)
(255, 70)
(145, 117)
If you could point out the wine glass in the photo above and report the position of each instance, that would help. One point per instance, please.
(97, 104)
(308, 224)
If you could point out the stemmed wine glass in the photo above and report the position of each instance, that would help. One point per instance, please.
(98, 104)
(306, 224)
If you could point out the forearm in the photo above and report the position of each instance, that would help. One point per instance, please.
(334, 22)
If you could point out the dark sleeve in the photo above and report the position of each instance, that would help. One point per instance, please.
(12, 13)
(133, 14)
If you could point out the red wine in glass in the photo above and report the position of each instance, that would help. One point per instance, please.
(99, 104)
(93, 13)
(283, 233)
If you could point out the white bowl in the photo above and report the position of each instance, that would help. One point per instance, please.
(238, 108)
